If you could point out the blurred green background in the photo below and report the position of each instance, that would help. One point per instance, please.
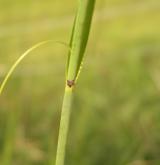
(116, 113)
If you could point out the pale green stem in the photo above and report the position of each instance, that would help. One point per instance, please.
(64, 125)
(78, 44)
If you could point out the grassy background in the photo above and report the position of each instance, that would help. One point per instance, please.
(116, 114)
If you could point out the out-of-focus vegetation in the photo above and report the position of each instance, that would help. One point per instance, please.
(116, 115)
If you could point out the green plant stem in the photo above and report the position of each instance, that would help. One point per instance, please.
(64, 125)
(78, 42)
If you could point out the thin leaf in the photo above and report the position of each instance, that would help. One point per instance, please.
(14, 66)
(80, 37)
(70, 44)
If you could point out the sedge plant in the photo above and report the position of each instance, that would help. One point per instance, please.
(77, 46)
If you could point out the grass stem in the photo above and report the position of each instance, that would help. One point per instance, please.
(64, 125)
(78, 42)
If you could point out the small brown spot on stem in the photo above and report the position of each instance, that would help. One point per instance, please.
(70, 83)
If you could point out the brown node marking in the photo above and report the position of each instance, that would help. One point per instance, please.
(70, 83)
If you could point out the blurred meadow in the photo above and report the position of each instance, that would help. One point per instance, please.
(116, 113)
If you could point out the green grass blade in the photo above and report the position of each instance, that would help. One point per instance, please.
(14, 66)
(80, 37)
(70, 44)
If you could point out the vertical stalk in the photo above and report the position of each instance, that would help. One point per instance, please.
(64, 124)
(79, 38)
